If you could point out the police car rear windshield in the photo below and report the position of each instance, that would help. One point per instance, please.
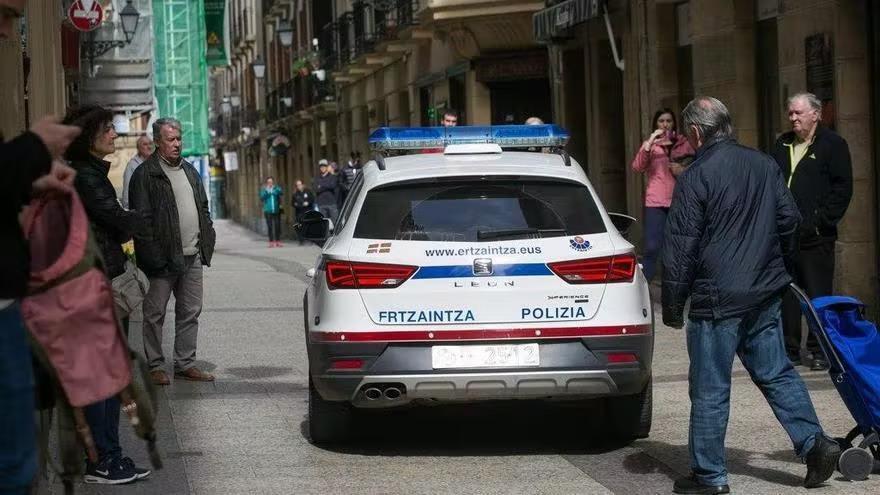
(478, 210)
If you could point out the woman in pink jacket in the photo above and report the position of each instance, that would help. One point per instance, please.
(657, 158)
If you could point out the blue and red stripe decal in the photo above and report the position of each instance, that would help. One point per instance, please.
(466, 271)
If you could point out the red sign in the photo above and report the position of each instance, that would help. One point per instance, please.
(85, 15)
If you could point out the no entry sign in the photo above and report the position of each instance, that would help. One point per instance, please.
(85, 15)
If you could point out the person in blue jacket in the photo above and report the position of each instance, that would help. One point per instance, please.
(270, 195)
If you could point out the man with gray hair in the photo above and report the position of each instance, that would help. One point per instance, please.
(728, 233)
(816, 165)
(144, 150)
(178, 242)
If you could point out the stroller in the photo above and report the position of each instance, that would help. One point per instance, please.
(852, 345)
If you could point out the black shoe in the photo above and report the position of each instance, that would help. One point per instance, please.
(109, 472)
(141, 473)
(691, 485)
(795, 358)
(821, 461)
(819, 364)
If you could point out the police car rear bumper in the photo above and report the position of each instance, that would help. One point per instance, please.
(570, 369)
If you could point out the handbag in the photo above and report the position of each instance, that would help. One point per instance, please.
(129, 289)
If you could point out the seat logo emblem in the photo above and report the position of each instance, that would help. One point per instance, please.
(483, 266)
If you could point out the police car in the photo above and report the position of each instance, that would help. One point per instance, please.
(476, 273)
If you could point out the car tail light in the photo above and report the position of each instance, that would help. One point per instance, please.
(356, 275)
(607, 269)
(621, 358)
(347, 364)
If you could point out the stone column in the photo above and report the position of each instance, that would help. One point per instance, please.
(12, 113)
(46, 80)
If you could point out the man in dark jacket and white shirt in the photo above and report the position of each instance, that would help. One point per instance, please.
(327, 191)
(731, 224)
(168, 192)
(816, 165)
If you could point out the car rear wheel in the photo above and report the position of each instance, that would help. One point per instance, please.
(329, 421)
(629, 416)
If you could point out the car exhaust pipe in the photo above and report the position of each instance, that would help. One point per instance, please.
(393, 393)
(373, 393)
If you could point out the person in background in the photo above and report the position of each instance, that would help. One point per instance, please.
(450, 118)
(347, 176)
(654, 158)
(303, 201)
(270, 196)
(534, 121)
(112, 226)
(30, 165)
(327, 191)
(144, 150)
(817, 167)
(729, 238)
(179, 240)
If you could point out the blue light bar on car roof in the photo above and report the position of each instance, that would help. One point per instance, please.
(506, 136)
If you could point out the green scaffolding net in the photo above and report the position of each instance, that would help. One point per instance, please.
(181, 78)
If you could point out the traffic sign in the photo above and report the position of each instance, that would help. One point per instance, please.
(86, 15)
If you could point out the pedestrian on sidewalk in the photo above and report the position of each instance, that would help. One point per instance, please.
(144, 150)
(327, 191)
(816, 165)
(303, 201)
(347, 176)
(168, 192)
(655, 158)
(728, 239)
(270, 196)
(112, 226)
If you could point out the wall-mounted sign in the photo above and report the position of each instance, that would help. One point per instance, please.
(230, 160)
(85, 15)
(819, 58)
(512, 67)
(215, 32)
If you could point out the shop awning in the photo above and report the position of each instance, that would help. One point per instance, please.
(553, 22)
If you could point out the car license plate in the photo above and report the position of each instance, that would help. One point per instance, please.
(485, 356)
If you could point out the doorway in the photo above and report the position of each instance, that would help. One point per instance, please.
(515, 101)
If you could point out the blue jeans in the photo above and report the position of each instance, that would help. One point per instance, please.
(655, 222)
(18, 437)
(757, 338)
(103, 420)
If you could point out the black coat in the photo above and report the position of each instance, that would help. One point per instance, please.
(822, 183)
(327, 189)
(303, 200)
(729, 235)
(111, 224)
(22, 161)
(158, 250)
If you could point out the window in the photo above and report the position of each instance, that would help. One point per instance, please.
(349, 202)
(468, 209)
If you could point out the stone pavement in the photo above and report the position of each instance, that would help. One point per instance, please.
(245, 432)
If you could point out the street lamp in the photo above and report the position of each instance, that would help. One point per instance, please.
(285, 33)
(259, 68)
(130, 17)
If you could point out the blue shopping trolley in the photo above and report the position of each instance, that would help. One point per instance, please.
(852, 345)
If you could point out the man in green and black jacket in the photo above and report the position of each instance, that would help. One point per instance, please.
(816, 164)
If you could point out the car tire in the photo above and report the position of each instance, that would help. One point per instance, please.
(329, 421)
(629, 416)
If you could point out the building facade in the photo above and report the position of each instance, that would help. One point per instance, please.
(613, 64)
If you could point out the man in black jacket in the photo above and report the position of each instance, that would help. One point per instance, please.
(816, 164)
(178, 242)
(729, 229)
(303, 201)
(327, 191)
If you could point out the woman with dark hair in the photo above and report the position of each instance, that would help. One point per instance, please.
(658, 158)
(270, 196)
(112, 226)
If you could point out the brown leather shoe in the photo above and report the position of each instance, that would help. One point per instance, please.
(159, 377)
(194, 374)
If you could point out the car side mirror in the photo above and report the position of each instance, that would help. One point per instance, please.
(623, 223)
(313, 227)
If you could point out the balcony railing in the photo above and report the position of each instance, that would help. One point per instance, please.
(371, 22)
(328, 47)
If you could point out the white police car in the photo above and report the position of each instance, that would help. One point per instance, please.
(475, 274)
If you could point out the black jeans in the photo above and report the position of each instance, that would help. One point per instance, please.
(814, 268)
(273, 223)
(103, 419)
